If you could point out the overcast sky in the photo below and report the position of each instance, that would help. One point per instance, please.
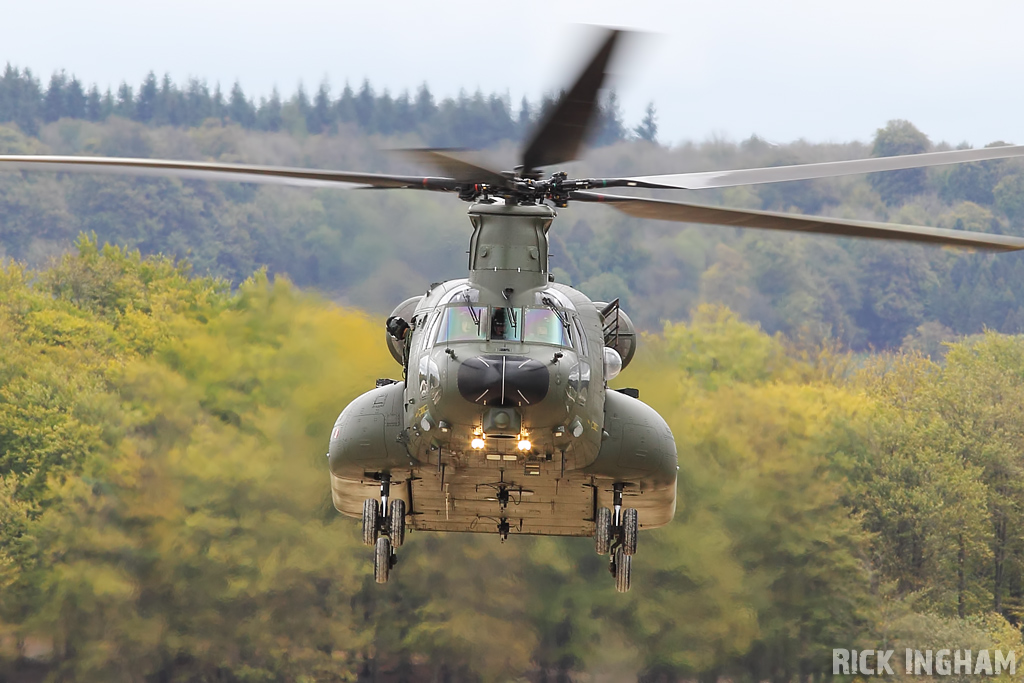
(823, 70)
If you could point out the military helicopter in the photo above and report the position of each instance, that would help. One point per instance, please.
(503, 420)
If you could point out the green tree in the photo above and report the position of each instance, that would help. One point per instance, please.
(899, 137)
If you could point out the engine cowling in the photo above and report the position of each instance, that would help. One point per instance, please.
(619, 331)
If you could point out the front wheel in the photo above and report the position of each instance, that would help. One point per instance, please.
(382, 560)
(397, 522)
(630, 530)
(623, 568)
(603, 531)
(371, 521)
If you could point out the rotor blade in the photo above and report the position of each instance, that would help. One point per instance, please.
(239, 173)
(455, 164)
(770, 220)
(777, 174)
(559, 136)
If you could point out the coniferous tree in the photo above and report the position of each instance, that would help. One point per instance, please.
(319, 118)
(54, 104)
(107, 105)
(75, 100)
(648, 128)
(146, 104)
(346, 106)
(241, 110)
(365, 104)
(94, 104)
(269, 114)
(125, 106)
(425, 108)
(198, 102)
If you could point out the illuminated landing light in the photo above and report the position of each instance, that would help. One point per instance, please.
(477, 443)
(525, 445)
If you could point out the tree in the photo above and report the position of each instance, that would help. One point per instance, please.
(899, 137)
(146, 104)
(55, 104)
(240, 110)
(1008, 195)
(647, 129)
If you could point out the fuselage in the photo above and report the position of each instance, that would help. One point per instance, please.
(504, 391)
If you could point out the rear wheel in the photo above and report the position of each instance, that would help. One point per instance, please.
(371, 521)
(630, 530)
(397, 521)
(623, 565)
(382, 560)
(603, 531)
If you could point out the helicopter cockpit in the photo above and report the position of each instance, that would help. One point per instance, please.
(464, 322)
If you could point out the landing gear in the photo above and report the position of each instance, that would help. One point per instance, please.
(396, 523)
(383, 559)
(616, 531)
(384, 529)
(371, 521)
(630, 530)
(621, 566)
(603, 531)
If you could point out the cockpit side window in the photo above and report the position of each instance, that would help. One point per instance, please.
(582, 336)
(462, 322)
(542, 325)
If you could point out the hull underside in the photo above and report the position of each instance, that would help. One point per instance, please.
(551, 503)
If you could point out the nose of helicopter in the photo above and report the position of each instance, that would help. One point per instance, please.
(496, 380)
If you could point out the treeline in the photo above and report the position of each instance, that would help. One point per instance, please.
(375, 249)
(476, 120)
(165, 510)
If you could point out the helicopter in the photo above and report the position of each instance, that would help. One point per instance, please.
(503, 421)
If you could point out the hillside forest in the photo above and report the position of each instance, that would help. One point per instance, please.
(849, 415)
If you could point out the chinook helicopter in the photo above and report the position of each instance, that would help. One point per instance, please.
(502, 420)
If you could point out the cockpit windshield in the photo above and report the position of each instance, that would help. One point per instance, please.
(542, 325)
(462, 322)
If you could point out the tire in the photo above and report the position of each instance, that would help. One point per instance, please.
(397, 522)
(382, 560)
(623, 566)
(371, 521)
(630, 530)
(603, 531)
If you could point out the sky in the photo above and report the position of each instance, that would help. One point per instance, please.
(822, 70)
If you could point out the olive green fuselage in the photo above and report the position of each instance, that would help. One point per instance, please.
(504, 389)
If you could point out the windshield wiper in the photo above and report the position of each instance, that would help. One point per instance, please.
(473, 313)
(563, 317)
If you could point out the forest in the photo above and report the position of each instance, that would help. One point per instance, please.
(849, 416)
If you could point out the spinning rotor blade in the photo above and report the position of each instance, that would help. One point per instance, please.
(559, 136)
(769, 220)
(238, 173)
(455, 164)
(830, 169)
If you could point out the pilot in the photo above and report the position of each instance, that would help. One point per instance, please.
(541, 330)
(498, 324)
(398, 329)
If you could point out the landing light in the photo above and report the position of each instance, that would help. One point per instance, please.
(525, 445)
(477, 443)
